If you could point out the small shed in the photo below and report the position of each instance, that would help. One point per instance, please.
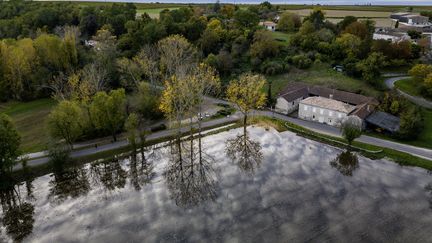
(384, 121)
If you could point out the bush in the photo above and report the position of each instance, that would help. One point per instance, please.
(301, 61)
(272, 68)
(58, 153)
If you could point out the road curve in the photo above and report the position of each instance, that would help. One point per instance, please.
(415, 99)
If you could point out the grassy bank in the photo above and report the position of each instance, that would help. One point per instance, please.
(322, 74)
(409, 86)
(29, 118)
(367, 150)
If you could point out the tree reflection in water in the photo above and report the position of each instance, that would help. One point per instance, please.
(245, 152)
(190, 176)
(346, 163)
(68, 182)
(428, 189)
(109, 173)
(18, 215)
(141, 171)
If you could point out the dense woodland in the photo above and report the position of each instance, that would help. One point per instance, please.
(94, 59)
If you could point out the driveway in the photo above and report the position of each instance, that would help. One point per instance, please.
(420, 101)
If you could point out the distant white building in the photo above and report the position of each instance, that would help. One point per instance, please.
(269, 25)
(392, 36)
(411, 19)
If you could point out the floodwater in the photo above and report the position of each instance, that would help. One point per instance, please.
(264, 187)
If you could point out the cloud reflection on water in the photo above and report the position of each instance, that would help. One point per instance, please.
(294, 195)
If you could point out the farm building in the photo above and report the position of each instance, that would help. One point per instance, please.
(410, 19)
(269, 25)
(390, 35)
(384, 122)
(322, 104)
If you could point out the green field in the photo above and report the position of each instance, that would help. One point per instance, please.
(281, 37)
(29, 119)
(409, 86)
(153, 12)
(322, 74)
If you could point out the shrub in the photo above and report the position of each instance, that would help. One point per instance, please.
(272, 68)
(301, 61)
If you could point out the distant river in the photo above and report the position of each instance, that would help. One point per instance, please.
(323, 2)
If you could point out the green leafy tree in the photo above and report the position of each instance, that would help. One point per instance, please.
(131, 126)
(371, 66)
(64, 122)
(358, 29)
(428, 84)
(108, 111)
(347, 20)
(411, 123)
(351, 129)
(289, 22)
(246, 93)
(264, 45)
(317, 18)
(9, 144)
(420, 71)
(246, 19)
(349, 44)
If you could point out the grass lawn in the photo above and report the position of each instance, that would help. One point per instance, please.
(410, 87)
(322, 74)
(29, 119)
(281, 37)
(153, 12)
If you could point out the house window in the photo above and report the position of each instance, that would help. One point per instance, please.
(313, 117)
(305, 108)
(321, 111)
(330, 113)
(314, 109)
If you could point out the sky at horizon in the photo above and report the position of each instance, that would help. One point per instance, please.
(323, 2)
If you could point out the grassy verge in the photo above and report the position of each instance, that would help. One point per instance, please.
(409, 86)
(43, 169)
(29, 118)
(367, 150)
(322, 74)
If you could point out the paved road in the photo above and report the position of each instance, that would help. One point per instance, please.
(333, 131)
(314, 126)
(417, 100)
(123, 143)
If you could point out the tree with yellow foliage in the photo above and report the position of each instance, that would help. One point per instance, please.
(246, 93)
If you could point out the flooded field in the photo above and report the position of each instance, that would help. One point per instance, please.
(262, 187)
